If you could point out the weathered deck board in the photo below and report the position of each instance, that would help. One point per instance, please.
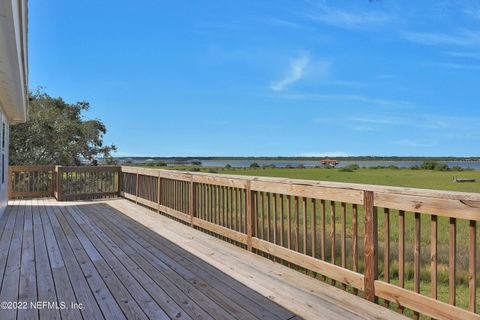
(124, 261)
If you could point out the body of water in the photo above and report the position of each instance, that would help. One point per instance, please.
(284, 163)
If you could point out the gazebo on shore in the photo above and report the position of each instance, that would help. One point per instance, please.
(329, 163)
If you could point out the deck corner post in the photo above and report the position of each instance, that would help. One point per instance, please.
(370, 242)
(119, 181)
(10, 183)
(58, 182)
(191, 201)
(250, 212)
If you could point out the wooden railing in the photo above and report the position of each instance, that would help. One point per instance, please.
(63, 183)
(366, 238)
(410, 249)
(31, 181)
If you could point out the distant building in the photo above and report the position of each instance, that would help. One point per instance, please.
(329, 163)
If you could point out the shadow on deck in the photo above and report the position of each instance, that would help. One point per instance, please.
(117, 260)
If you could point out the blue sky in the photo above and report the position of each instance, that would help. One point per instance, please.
(278, 78)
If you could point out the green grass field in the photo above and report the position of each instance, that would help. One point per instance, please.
(393, 177)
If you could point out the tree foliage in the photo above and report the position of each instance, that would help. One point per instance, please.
(57, 133)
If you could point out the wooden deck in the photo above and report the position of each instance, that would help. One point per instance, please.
(118, 260)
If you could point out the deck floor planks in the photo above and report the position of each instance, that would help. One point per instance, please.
(105, 300)
(195, 272)
(11, 277)
(124, 261)
(63, 286)
(246, 268)
(153, 298)
(28, 286)
(184, 296)
(179, 272)
(44, 282)
(127, 303)
(79, 282)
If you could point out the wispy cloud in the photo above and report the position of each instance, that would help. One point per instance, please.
(374, 120)
(278, 22)
(325, 154)
(349, 97)
(386, 76)
(459, 38)
(414, 143)
(296, 71)
(349, 19)
(468, 67)
(469, 55)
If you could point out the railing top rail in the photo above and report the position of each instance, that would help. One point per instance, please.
(31, 168)
(431, 193)
(89, 168)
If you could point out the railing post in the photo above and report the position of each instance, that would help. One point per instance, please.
(136, 189)
(159, 191)
(10, 182)
(191, 201)
(370, 241)
(119, 181)
(58, 182)
(250, 212)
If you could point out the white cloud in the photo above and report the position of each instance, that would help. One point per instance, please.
(415, 144)
(325, 154)
(460, 38)
(296, 72)
(350, 19)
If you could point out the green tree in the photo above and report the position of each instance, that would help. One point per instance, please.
(57, 133)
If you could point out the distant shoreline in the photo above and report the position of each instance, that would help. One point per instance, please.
(356, 158)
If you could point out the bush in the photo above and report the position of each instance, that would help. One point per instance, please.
(267, 166)
(414, 167)
(352, 167)
(195, 169)
(441, 167)
(393, 167)
(301, 166)
(254, 165)
(212, 171)
(228, 166)
(196, 163)
(345, 169)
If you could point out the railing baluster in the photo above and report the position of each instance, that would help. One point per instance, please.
(472, 263)
(433, 255)
(417, 257)
(314, 227)
(275, 218)
(386, 248)
(289, 222)
(323, 235)
(282, 222)
(332, 232)
(296, 225)
(370, 245)
(305, 225)
(268, 217)
(452, 256)
(355, 241)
